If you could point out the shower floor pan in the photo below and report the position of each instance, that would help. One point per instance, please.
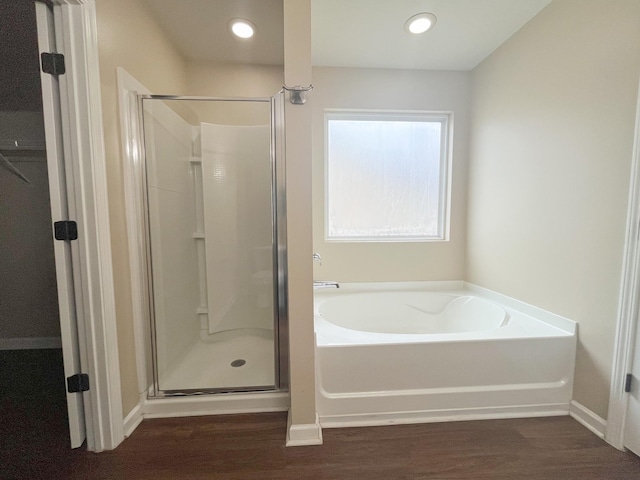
(240, 360)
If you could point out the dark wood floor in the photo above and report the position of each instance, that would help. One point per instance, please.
(33, 445)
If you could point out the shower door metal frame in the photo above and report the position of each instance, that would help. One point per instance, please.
(279, 248)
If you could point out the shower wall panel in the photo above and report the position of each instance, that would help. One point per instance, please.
(238, 225)
(172, 223)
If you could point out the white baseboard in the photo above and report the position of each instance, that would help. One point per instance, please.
(588, 419)
(30, 343)
(196, 405)
(436, 416)
(132, 420)
(303, 434)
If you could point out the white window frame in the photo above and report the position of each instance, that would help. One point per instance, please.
(446, 120)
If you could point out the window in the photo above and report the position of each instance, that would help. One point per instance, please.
(386, 176)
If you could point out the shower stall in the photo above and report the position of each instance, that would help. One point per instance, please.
(213, 197)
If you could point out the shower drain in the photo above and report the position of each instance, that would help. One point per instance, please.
(238, 363)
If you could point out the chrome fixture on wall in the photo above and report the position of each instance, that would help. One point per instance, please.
(298, 94)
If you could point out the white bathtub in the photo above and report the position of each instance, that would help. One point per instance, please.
(419, 352)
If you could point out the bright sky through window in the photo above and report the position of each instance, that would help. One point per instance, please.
(386, 176)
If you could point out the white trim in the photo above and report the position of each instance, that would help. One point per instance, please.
(628, 303)
(132, 420)
(60, 193)
(30, 343)
(588, 419)
(303, 434)
(77, 39)
(437, 416)
(130, 133)
(233, 403)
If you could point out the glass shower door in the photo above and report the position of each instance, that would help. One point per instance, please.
(211, 243)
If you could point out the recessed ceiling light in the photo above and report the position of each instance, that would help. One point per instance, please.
(242, 28)
(420, 23)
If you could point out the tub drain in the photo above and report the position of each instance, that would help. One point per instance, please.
(238, 363)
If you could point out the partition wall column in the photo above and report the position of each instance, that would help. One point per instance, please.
(303, 426)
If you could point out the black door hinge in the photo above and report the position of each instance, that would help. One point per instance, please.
(627, 383)
(78, 383)
(53, 63)
(65, 230)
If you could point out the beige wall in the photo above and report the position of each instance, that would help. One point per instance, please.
(552, 133)
(123, 24)
(357, 88)
(220, 80)
(229, 80)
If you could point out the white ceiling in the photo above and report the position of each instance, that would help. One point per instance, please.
(353, 33)
(370, 33)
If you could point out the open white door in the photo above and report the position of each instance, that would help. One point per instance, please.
(632, 423)
(60, 211)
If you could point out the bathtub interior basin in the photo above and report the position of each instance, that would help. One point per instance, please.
(411, 312)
